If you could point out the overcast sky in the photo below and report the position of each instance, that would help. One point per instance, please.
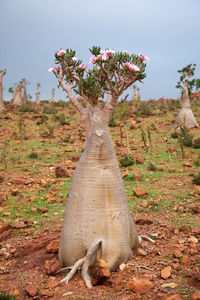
(167, 31)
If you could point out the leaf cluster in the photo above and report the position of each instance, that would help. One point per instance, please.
(111, 75)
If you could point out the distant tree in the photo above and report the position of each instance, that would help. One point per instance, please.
(185, 116)
(24, 83)
(53, 99)
(2, 73)
(37, 99)
(17, 99)
(97, 217)
(134, 93)
(29, 97)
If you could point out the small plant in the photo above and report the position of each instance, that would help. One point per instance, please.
(112, 122)
(187, 141)
(144, 139)
(42, 120)
(175, 135)
(61, 118)
(49, 110)
(29, 107)
(3, 153)
(197, 162)
(6, 296)
(151, 167)
(196, 179)
(127, 161)
(196, 144)
(33, 155)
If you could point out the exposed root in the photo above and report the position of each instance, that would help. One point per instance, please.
(75, 267)
(90, 259)
(145, 237)
(85, 263)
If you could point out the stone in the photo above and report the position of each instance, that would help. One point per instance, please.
(61, 172)
(174, 297)
(196, 295)
(140, 160)
(140, 285)
(4, 227)
(46, 293)
(99, 272)
(178, 253)
(32, 290)
(195, 208)
(141, 252)
(42, 209)
(14, 192)
(140, 193)
(51, 266)
(19, 224)
(166, 272)
(1, 178)
(171, 285)
(52, 247)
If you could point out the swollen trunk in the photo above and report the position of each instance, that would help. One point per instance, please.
(97, 207)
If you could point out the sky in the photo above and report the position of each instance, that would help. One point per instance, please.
(167, 31)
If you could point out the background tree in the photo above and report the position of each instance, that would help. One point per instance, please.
(2, 73)
(24, 83)
(17, 99)
(97, 218)
(134, 93)
(185, 116)
(53, 98)
(11, 91)
(37, 99)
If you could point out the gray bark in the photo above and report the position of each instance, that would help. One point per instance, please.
(97, 208)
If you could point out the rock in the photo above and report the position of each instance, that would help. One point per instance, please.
(140, 193)
(166, 272)
(51, 266)
(1, 178)
(42, 209)
(4, 227)
(52, 247)
(196, 295)
(14, 292)
(5, 235)
(140, 161)
(195, 208)
(14, 192)
(32, 290)
(141, 285)
(136, 176)
(61, 172)
(99, 272)
(174, 297)
(186, 261)
(141, 252)
(178, 253)
(171, 285)
(122, 267)
(46, 293)
(193, 240)
(19, 224)
(143, 221)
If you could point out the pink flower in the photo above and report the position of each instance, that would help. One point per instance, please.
(82, 67)
(61, 52)
(143, 57)
(93, 59)
(132, 67)
(124, 51)
(51, 70)
(104, 56)
(74, 59)
(57, 69)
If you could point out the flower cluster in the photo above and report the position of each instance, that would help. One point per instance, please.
(132, 67)
(143, 57)
(57, 69)
(82, 67)
(74, 59)
(61, 52)
(105, 54)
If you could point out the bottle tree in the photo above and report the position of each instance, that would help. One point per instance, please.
(2, 73)
(185, 116)
(53, 98)
(17, 99)
(97, 220)
(37, 99)
(24, 83)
